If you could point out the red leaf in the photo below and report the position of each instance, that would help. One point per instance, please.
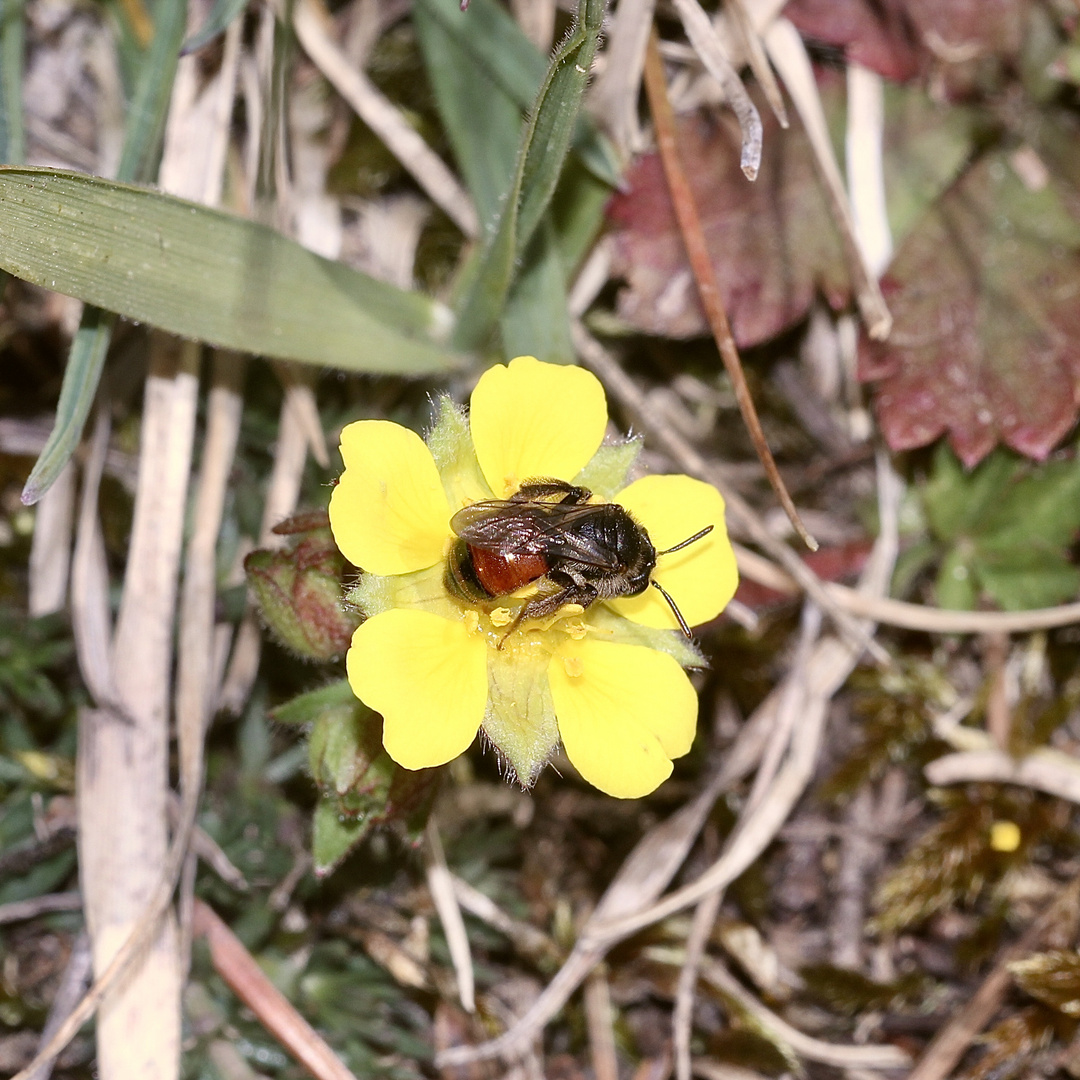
(900, 39)
(772, 241)
(985, 294)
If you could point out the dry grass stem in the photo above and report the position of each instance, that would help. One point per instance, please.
(123, 767)
(21, 910)
(275, 1012)
(788, 54)
(860, 853)
(864, 142)
(1044, 769)
(384, 118)
(197, 133)
(682, 1018)
(614, 95)
(713, 55)
(537, 19)
(905, 615)
(196, 670)
(522, 935)
(741, 26)
(646, 872)
(73, 983)
(441, 884)
(91, 618)
(282, 493)
(50, 550)
(599, 1018)
(869, 1057)
(705, 274)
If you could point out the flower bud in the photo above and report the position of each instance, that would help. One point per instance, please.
(299, 589)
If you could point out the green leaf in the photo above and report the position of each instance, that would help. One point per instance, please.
(334, 835)
(307, 708)
(544, 145)
(1019, 578)
(12, 45)
(607, 472)
(957, 500)
(955, 586)
(535, 321)
(482, 119)
(204, 274)
(86, 359)
(144, 127)
(1008, 525)
(485, 43)
(1042, 507)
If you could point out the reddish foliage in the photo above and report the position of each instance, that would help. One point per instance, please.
(771, 241)
(900, 39)
(986, 340)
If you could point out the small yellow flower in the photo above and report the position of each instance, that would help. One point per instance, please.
(607, 678)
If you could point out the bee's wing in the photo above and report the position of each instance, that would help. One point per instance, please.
(531, 528)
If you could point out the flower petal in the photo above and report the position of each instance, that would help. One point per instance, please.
(428, 678)
(624, 712)
(532, 419)
(702, 577)
(388, 513)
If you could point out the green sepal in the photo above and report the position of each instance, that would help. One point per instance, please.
(451, 445)
(622, 631)
(606, 473)
(423, 590)
(520, 718)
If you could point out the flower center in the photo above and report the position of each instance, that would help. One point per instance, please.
(500, 626)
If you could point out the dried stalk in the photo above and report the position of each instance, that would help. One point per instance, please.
(705, 276)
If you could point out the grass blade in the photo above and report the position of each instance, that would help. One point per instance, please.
(544, 145)
(12, 46)
(205, 274)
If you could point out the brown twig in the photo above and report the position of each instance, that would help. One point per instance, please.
(705, 276)
(248, 981)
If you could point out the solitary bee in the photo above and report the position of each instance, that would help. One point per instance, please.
(549, 530)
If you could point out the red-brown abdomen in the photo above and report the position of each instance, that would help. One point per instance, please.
(502, 573)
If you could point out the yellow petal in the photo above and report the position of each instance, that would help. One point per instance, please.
(702, 577)
(428, 678)
(532, 419)
(388, 512)
(624, 712)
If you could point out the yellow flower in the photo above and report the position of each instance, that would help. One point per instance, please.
(606, 678)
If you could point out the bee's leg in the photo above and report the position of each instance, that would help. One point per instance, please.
(573, 592)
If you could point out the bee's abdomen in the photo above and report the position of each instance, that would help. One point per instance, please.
(501, 573)
(474, 573)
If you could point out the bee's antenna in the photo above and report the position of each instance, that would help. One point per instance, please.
(686, 543)
(671, 603)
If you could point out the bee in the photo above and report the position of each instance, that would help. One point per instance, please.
(549, 531)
